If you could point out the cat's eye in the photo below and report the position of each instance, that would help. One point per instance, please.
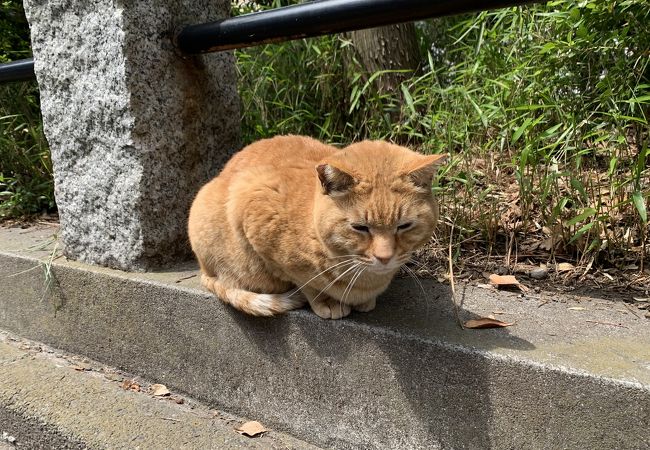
(405, 226)
(361, 228)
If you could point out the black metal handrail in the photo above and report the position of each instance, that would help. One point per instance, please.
(21, 70)
(314, 18)
(317, 18)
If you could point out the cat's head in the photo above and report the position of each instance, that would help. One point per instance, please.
(375, 202)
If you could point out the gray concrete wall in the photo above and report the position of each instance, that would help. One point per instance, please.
(135, 129)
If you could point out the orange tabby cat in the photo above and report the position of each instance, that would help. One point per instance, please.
(291, 214)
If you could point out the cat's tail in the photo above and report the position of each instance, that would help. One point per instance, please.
(252, 302)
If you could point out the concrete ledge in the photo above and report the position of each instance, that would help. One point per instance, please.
(403, 376)
(46, 403)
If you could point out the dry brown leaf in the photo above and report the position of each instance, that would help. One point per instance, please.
(159, 390)
(507, 280)
(130, 385)
(251, 429)
(547, 244)
(564, 267)
(486, 322)
(503, 280)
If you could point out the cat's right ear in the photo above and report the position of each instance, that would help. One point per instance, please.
(334, 181)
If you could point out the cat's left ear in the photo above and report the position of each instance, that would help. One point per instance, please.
(334, 181)
(421, 171)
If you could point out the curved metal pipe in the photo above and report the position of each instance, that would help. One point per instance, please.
(21, 70)
(317, 18)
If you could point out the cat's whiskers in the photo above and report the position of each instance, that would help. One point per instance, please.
(412, 274)
(350, 285)
(347, 288)
(418, 264)
(342, 263)
(337, 278)
(343, 256)
(344, 296)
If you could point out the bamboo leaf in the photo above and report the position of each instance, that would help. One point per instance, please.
(586, 213)
(519, 131)
(639, 203)
(408, 99)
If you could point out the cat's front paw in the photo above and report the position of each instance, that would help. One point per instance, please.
(330, 308)
(367, 306)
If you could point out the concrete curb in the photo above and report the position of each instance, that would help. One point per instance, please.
(403, 376)
(46, 401)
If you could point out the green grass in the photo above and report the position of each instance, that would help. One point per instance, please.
(26, 186)
(544, 110)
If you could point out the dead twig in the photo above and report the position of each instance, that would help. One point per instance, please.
(607, 323)
(632, 310)
(185, 278)
(451, 278)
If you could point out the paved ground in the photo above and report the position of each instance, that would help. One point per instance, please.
(50, 399)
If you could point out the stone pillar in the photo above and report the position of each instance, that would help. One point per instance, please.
(135, 129)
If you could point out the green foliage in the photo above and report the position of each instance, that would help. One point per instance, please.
(544, 110)
(14, 31)
(26, 185)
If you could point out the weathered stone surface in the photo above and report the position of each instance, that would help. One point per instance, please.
(135, 129)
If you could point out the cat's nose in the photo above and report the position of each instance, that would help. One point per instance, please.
(383, 260)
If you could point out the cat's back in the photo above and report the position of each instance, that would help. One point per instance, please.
(277, 154)
(278, 170)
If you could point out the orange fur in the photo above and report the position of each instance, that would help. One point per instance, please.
(290, 213)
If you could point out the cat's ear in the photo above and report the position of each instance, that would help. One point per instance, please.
(334, 181)
(420, 172)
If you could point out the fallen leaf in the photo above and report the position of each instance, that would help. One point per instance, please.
(547, 244)
(159, 390)
(503, 280)
(507, 280)
(486, 322)
(564, 267)
(130, 385)
(251, 429)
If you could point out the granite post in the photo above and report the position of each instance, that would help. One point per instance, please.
(134, 127)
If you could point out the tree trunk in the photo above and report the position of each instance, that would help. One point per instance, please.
(393, 47)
